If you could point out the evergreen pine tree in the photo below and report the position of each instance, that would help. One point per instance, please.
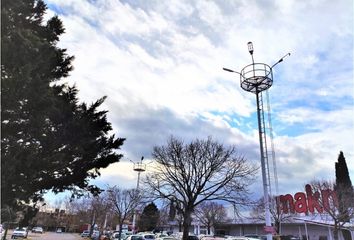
(344, 188)
(49, 141)
(149, 218)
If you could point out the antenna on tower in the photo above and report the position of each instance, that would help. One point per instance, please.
(256, 78)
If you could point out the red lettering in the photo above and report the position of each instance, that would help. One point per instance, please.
(287, 203)
(326, 195)
(313, 200)
(309, 202)
(300, 202)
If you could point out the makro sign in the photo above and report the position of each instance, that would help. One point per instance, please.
(308, 201)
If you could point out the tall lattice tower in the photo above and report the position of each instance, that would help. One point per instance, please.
(257, 78)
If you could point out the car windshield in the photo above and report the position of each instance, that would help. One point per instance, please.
(149, 237)
(136, 238)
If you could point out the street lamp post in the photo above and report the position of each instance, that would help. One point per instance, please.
(255, 78)
(138, 167)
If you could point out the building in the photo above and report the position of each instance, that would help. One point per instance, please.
(314, 228)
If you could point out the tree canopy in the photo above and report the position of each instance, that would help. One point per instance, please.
(277, 215)
(124, 203)
(210, 214)
(149, 218)
(203, 170)
(49, 140)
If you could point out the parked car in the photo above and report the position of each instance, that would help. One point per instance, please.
(192, 237)
(160, 235)
(147, 236)
(37, 230)
(85, 233)
(19, 233)
(115, 236)
(208, 237)
(166, 238)
(59, 230)
(241, 238)
(135, 237)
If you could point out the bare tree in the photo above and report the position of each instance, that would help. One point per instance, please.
(203, 170)
(326, 203)
(100, 206)
(89, 209)
(278, 216)
(124, 203)
(210, 213)
(81, 208)
(163, 220)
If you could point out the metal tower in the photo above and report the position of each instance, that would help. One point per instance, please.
(138, 167)
(257, 78)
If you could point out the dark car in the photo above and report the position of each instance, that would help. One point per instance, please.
(192, 237)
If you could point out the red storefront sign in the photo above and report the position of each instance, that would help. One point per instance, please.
(307, 202)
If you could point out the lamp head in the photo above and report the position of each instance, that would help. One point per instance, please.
(250, 47)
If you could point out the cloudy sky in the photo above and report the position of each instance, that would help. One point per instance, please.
(160, 64)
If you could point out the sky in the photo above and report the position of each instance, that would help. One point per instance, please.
(160, 65)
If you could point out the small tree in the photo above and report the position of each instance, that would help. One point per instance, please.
(330, 205)
(124, 202)
(210, 213)
(258, 213)
(204, 170)
(149, 218)
(99, 206)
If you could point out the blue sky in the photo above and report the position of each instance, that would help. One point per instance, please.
(160, 64)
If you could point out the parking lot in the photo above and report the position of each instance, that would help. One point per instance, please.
(50, 236)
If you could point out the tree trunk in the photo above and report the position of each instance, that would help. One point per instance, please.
(120, 230)
(335, 230)
(187, 220)
(277, 226)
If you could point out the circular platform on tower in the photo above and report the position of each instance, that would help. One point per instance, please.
(139, 167)
(256, 77)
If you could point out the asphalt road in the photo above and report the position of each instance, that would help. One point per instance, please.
(50, 236)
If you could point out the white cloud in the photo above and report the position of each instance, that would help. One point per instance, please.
(209, 12)
(161, 67)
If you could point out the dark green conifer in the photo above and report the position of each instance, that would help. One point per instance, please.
(49, 141)
(344, 188)
(149, 218)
